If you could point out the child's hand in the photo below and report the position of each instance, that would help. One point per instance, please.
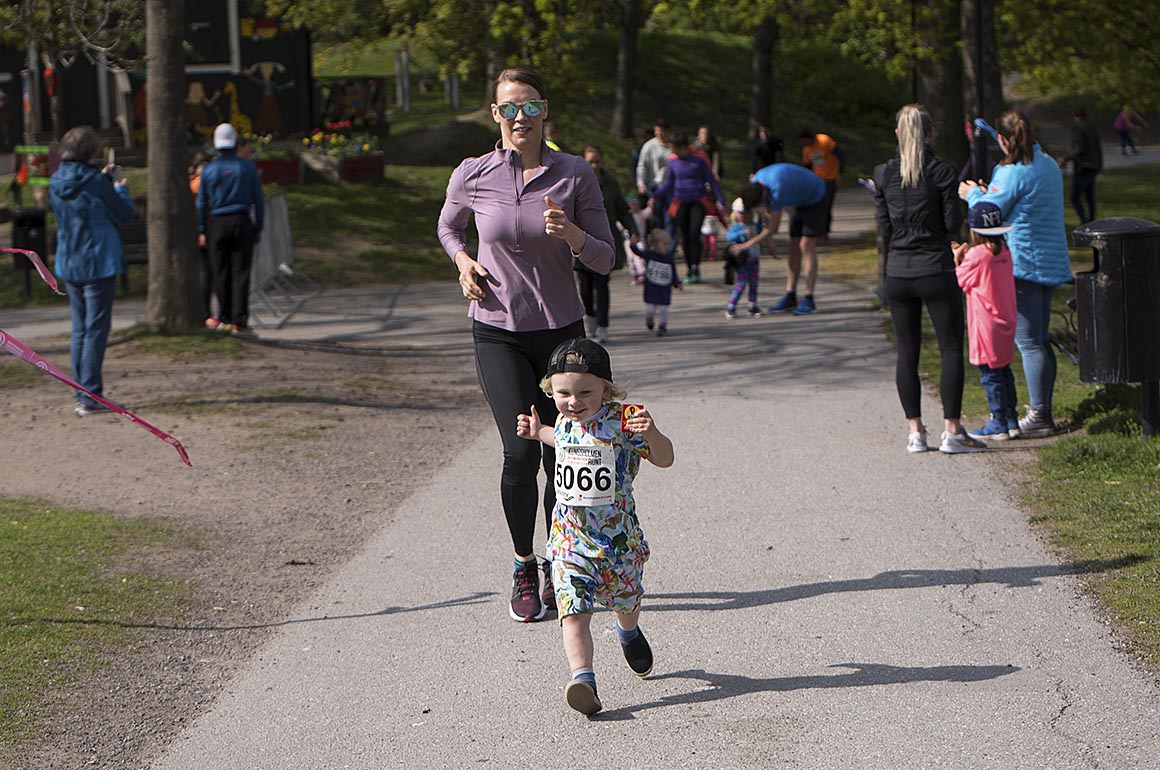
(528, 426)
(641, 422)
(960, 251)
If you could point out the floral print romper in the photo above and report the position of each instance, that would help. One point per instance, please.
(598, 552)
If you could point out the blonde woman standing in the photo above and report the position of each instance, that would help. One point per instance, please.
(919, 213)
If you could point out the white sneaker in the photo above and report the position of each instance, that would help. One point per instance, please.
(601, 334)
(917, 443)
(961, 443)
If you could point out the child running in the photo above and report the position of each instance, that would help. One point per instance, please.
(986, 277)
(596, 545)
(745, 249)
(660, 276)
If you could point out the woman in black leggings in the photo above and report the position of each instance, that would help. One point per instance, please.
(919, 213)
(536, 211)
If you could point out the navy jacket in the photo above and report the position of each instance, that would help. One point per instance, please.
(230, 185)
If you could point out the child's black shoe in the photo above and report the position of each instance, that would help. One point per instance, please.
(639, 655)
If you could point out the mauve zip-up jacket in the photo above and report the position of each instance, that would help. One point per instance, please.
(531, 287)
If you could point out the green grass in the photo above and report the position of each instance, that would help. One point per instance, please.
(390, 225)
(65, 603)
(1097, 496)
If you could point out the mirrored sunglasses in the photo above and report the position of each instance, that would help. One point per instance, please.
(532, 108)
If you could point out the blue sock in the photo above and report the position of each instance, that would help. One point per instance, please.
(519, 564)
(585, 675)
(627, 636)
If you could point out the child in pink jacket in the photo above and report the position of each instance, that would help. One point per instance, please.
(985, 274)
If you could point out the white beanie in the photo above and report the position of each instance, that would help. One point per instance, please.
(225, 137)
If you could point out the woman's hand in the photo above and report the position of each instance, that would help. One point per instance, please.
(528, 425)
(966, 187)
(471, 275)
(557, 224)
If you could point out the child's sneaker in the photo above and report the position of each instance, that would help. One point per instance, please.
(994, 430)
(730, 312)
(662, 330)
(582, 697)
(649, 323)
(526, 605)
(548, 593)
(959, 443)
(754, 311)
(639, 654)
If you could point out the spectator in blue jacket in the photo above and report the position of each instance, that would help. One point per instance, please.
(231, 212)
(90, 204)
(1027, 186)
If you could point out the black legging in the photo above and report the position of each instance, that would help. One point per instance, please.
(510, 366)
(944, 302)
(690, 216)
(594, 294)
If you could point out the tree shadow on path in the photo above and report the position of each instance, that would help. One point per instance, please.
(1011, 577)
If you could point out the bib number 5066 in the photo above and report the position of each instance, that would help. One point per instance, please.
(584, 479)
(585, 475)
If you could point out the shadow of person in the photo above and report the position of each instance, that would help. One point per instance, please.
(721, 686)
(1012, 577)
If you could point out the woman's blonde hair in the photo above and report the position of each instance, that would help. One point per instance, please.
(614, 390)
(914, 129)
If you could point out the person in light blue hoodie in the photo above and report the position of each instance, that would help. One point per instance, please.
(91, 204)
(1027, 186)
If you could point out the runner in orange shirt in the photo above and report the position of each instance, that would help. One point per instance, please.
(821, 154)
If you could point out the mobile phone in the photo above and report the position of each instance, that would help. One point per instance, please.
(114, 169)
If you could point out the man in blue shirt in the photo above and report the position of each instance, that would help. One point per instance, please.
(788, 185)
(230, 211)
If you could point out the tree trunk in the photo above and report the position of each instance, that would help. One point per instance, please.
(977, 30)
(761, 106)
(174, 263)
(939, 78)
(631, 20)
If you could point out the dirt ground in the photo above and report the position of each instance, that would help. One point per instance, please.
(299, 453)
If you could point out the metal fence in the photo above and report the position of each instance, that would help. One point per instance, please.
(277, 290)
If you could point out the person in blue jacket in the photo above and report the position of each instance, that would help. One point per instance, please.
(90, 204)
(1027, 186)
(785, 185)
(231, 212)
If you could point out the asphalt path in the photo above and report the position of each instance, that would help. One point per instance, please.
(816, 597)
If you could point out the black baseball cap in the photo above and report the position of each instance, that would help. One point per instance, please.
(580, 354)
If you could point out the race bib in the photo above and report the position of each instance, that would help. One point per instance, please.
(585, 475)
(659, 273)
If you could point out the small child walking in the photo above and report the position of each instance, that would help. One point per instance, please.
(660, 276)
(596, 546)
(644, 225)
(986, 276)
(745, 250)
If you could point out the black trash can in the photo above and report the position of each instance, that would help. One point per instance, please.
(1118, 308)
(28, 233)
